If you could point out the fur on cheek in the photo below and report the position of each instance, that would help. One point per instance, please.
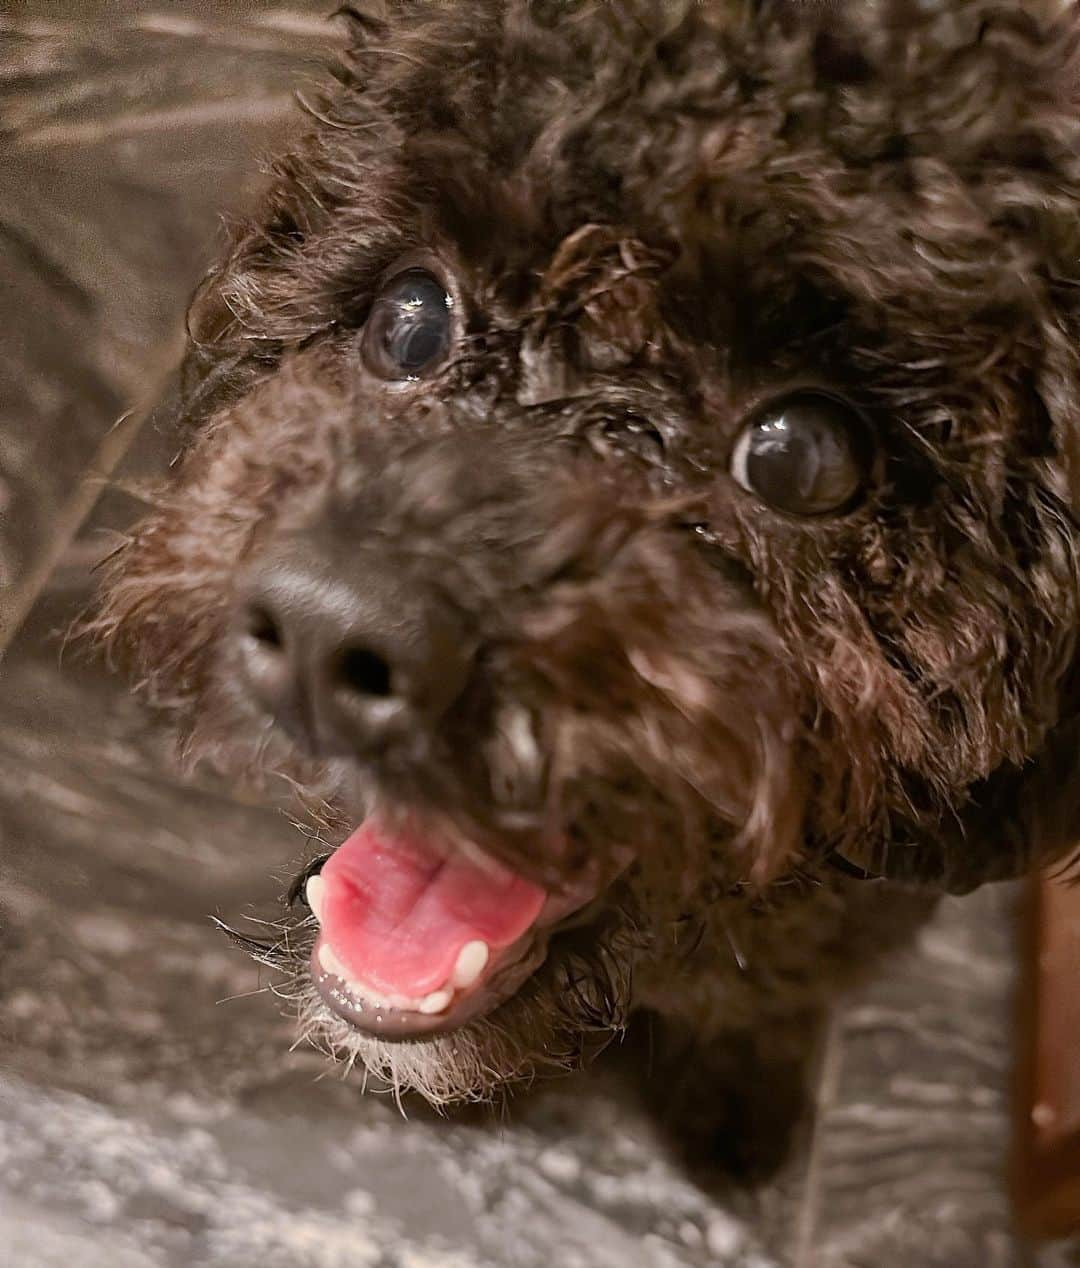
(166, 594)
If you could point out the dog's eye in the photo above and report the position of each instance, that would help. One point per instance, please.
(407, 333)
(807, 454)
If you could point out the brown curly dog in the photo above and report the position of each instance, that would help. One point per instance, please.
(631, 464)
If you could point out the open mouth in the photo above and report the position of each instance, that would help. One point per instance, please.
(419, 936)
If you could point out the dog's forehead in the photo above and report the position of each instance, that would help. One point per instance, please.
(729, 166)
(688, 187)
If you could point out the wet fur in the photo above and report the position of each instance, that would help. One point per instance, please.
(657, 214)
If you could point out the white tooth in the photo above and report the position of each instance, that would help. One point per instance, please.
(315, 894)
(471, 961)
(435, 1002)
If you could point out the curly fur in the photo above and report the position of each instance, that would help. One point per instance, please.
(658, 213)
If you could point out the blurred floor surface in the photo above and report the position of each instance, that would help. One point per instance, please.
(151, 1112)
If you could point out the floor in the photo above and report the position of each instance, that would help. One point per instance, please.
(151, 1109)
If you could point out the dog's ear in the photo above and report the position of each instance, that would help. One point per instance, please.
(1027, 816)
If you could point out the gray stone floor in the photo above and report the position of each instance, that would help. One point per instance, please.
(151, 1110)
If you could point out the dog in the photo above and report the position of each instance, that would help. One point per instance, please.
(629, 488)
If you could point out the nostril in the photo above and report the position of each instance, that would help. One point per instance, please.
(364, 672)
(262, 627)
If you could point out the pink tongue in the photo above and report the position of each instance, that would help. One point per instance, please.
(397, 912)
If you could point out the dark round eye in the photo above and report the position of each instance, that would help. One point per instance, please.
(807, 454)
(407, 333)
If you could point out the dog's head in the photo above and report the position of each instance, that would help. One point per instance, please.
(632, 455)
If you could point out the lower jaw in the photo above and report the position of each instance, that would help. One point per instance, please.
(513, 970)
(380, 1020)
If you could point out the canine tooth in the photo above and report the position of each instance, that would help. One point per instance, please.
(471, 961)
(315, 895)
(435, 1002)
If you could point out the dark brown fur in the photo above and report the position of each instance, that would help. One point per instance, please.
(658, 213)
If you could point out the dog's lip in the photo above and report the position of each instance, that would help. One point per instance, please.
(507, 974)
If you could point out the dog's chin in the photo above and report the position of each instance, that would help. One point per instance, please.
(546, 1011)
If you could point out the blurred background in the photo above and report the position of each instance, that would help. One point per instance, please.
(151, 1109)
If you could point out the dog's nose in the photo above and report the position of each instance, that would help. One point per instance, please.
(348, 651)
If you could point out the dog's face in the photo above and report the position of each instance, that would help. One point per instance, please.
(630, 457)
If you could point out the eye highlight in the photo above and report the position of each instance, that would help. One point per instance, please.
(408, 331)
(806, 454)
